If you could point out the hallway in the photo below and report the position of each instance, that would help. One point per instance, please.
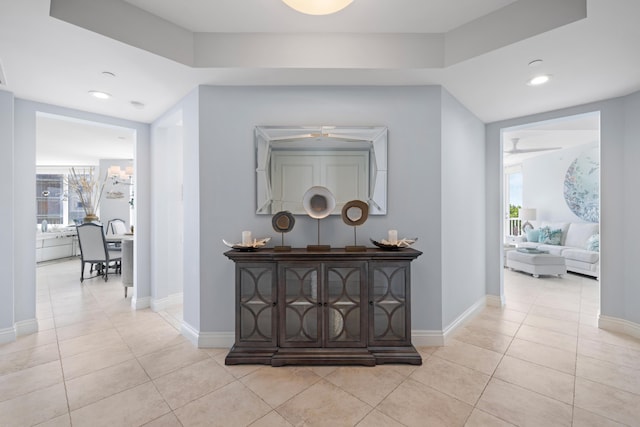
(538, 361)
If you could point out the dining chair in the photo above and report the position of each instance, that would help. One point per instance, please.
(116, 226)
(93, 250)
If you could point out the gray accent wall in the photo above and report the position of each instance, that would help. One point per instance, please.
(422, 121)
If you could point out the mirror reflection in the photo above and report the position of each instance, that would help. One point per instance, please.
(350, 161)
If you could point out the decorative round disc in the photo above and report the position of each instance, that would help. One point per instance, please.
(355, 212)
(319, 202)
(283, 222)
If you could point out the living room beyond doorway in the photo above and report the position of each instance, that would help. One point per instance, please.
(551, 194)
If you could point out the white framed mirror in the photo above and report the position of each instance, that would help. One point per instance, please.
(350, 161)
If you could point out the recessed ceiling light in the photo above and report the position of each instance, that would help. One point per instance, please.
(137, 104)
(539, 80)
(535, 63)
(108, 74)
(100, 95)
(318, 7)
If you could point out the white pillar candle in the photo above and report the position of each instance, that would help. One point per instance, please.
(393, 237)
(246, 238)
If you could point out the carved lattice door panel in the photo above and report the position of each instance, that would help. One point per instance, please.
(300, 311)
(343, 304)
(388, 311)
(256, 319)
(323, 305)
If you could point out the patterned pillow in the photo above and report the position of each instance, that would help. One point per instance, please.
(593, 244)
(549, 236)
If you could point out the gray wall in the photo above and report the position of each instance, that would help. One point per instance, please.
(619, 175)
(631, 208)
(24, 205)
(192, 289)
(413, 115)
(167, 222)
(463, 209)
(6, 218)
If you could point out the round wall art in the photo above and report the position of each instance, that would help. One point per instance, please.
(582, 186)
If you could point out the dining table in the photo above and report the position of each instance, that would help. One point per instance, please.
(126, 245)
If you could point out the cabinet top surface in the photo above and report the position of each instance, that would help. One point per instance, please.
(268, 254)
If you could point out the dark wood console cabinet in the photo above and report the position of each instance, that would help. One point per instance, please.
(323, 308)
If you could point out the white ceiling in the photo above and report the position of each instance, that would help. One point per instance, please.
(50, 60)
(563, 133)
(61, 141)
(362, 16)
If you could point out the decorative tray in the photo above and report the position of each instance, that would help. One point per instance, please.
(387, 246)
(257, 244)
(531, 251)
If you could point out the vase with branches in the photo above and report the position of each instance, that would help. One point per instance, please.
(89, 187)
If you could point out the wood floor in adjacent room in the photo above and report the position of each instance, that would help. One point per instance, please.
(540, 361)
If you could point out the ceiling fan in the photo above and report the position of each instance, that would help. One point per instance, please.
(516, 150)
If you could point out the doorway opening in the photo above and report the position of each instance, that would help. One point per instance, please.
(68, 147)
(551, 181)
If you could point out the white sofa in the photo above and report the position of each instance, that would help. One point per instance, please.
(572, 247)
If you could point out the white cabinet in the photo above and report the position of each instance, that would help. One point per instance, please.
(55, 245)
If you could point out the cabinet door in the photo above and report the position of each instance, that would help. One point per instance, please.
(389, 311)
(299, 286)
(256, 299)
(344, 299)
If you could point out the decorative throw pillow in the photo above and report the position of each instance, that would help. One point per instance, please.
(593, 244)
(533, 235)
(549, 236)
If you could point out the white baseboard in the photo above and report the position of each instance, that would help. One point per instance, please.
(216, 339)
(207, 339)
(468, 314)
(619, 325)
(189, 333)
(160, 304)
(495, 301)
(436, 338)
(420, 338)
(175, 299)
(140, 303)
(427, 338)
(26, 327)
(7, 335)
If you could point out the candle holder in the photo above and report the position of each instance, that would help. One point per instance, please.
(246, 238)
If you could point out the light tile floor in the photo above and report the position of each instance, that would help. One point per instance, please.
(539, 361)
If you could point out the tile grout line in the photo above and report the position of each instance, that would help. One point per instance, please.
(64, 381)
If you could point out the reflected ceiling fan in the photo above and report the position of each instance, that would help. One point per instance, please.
(516, 150)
